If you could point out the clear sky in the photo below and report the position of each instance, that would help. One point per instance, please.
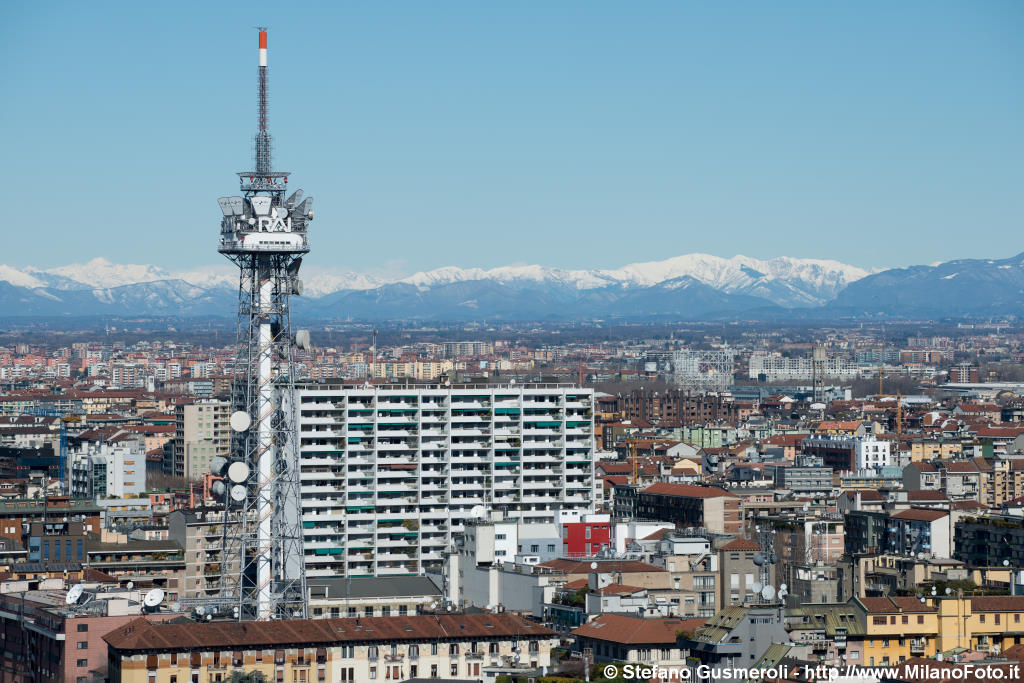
(572, 134)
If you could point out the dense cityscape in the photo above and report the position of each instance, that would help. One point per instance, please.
(533, 507)
(698, 468)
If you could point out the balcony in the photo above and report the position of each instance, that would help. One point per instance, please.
(918, 647)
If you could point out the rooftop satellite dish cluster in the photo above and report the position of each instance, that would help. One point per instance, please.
(78, 596)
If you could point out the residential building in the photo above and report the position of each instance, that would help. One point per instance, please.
(452, 646)
(390, 474)
(705, 507)
(103, 470)
(201, 433)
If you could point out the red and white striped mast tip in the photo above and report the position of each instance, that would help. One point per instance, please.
(263, 47)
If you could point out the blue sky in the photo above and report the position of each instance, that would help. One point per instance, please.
(572, 134)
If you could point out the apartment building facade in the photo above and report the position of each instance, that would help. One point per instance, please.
(201, 433)
(390, 473)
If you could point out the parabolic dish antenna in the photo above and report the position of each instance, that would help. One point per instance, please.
(238, 472)
(240, 421)
(74, 594)
(238, 493)
(153, 598)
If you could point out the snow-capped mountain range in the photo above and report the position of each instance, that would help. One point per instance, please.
(83, 287)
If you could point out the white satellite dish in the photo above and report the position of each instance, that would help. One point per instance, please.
(477, 511)
(238, 493)
(130, 585)
(783, 594)
(153, 598)
(217, 465)
(783, 587)
(280, 212)
(240, 421)
(768, 592)
(175, 606)
(74, 594)
(238, 472)
(757, 586)
(302, 336)
(593, 565)
(818, 406)
(218, 488)
(433, 604)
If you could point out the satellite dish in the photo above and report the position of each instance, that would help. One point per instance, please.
(818, 406)
(433, 604)
(238, 472)
(302, 336)
(153, 598)
(240, 421)
(783, 587)
(768, 592)
(130, 585)
(515, 658)
(757, 586)
(74, 594)
(948, 590)
(175, 606)
(219, 489)
(783, 594)
(806, 507)
(238, 493)
(217, 465)
(280, 212)
(477, 511)
(200, 610)
(593, 565)
(759, 559)
(297, 287)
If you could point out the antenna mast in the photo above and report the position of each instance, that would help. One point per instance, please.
(266, 236)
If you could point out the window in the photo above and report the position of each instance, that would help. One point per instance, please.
(493, 648)
(906, 619)
(453, 650)
(455, 670)
(1016, 618)
(414, 652)
(433, 670)
(997, 618)
(982, 618)
(82, 662)
(433, 651)
(403, 610)
(371, 652)
(385, 611)
(368, 611)
(878, 621)
(83, 645)
(373, 672)
(82, 628)
(920, 618)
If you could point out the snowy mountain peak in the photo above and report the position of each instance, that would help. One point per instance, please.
(785, 281)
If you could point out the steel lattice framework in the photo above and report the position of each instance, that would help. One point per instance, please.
(700, 372)
(265, 235)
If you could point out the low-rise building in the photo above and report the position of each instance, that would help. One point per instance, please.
(456, 646)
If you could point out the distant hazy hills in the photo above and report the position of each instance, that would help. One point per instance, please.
(693, 286)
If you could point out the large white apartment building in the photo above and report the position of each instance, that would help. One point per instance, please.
(774, 367)
(390, 473)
